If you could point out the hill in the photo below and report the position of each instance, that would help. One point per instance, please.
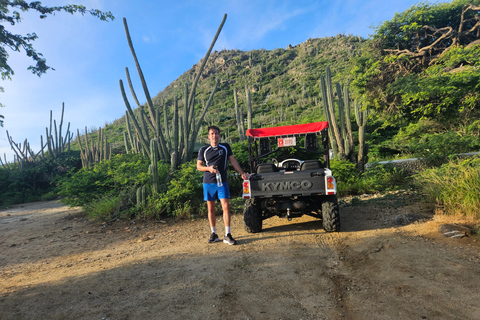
(284, 85)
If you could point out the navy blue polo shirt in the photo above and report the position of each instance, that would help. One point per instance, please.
(215, 156)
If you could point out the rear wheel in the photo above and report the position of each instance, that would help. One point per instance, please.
(330, 214)
(252, 217)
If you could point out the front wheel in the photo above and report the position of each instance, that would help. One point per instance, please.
(252, 217)
(330, 214)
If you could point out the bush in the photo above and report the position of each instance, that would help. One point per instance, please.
(455, 186)
(427, 139)
(112, 206)
(108, 178)
(376, 179)
(183, 196)
(36, 180)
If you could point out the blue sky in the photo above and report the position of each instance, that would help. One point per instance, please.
(89, 56)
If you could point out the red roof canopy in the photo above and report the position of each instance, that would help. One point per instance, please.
(297, 129)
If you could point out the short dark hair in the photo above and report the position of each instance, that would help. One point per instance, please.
(213, 128)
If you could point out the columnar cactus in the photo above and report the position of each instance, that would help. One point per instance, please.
(351, 147)
(141, 196)
(361, 118)
(239, 117)
(249, 108)
(188, 125)
(153, 166)
(343, 128)
(94, 153)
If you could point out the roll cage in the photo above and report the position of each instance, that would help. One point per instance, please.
(260, 140)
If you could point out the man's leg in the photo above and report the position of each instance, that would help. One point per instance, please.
(226, 220)
(211, 213)
(226, 211)
(211, 220)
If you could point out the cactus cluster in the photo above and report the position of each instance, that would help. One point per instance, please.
(173, 142)
(55, 143)
(153, 169)
(341, 129)
(141, 196)
(94, 152)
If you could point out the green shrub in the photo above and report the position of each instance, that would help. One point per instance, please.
(427, 139)
(455, 186)
(122, 172)
(184, 193)
(375, 179)
(36, 180)
(384, 177)
(111, 206)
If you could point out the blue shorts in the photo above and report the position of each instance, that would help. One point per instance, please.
(211, 192)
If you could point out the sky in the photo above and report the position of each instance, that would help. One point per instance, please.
(90, 56)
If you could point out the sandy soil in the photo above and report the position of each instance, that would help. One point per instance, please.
(54, 264)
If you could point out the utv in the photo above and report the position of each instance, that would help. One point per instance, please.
(290, 187)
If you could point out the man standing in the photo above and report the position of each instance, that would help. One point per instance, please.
(215, 157)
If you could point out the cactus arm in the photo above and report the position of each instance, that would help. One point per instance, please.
(134, 120)
(82, 155)
(153, 165)
(167, 128)
(346, 100)
(200, 69)
(140, 73)
(193, 137)
(175, 133)
(60, 139)
(331, 108)
(237, 115)
(249, 108)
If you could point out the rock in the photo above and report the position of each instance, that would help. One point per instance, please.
(404, 219)
(454, 231)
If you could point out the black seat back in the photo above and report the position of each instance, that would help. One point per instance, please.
(266, 168)
(311, 165)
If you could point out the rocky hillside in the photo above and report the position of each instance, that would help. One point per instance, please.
(284, 84)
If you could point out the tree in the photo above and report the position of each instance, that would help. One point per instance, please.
(424, 62)
(426, 31)
(16, 42)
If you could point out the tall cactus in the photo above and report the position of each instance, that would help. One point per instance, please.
(249, 108)
(342, 129)
(351, 147)
(141, 196)
(329, 101)
(189, 126)
(239, 117)
(361, 118)
(331, 110)
(153, 166)
(94, 153)
(327, 114)
(342, 118)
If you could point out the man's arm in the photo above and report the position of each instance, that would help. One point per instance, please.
(237, 167)
(201, 167)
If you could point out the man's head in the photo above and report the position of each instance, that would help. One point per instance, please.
(214, 135)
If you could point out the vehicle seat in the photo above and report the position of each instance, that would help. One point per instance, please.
(266, 168)
(311, 165)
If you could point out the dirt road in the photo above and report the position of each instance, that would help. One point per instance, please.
(54, 264)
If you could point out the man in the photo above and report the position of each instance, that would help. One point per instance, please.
(215, 157)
